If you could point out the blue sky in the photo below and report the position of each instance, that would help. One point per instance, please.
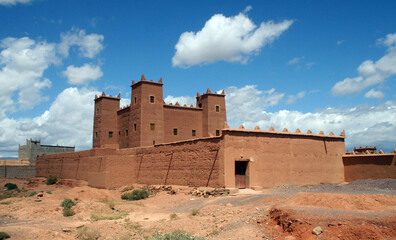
(318, 65)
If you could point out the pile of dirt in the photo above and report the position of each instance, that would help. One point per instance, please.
(301, 226)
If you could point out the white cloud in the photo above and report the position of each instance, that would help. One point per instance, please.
(339, 42)
(249, 102)
(89, 45)
(23, 62)
(293, 98)
(231, 39)
(371, 73)
(295, 60)
(181, 100)
(67, 122)
(309, 65)
(83, 74)
(374, 94)
(14, 2)
(364, 124)
(247, 9)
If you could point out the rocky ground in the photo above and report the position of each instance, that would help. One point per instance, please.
(364, 209)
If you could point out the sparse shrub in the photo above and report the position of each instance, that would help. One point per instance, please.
(194, 212)
(52, 180)
(67, 212)
(176, 235)
(87, 234)
(4, 235)
(49, 192)
(10, 186)
(109, 202)
(5, 203)
(32, 194)
(173, 216)
(68, 203)
(135, 195)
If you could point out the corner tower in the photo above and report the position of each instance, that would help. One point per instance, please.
(105, 121)
(147, 114)
(213, 112)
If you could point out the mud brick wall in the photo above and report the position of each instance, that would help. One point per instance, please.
(276, 159)
(87, 165)
(190, 163)
(17, 171)
(369, 166)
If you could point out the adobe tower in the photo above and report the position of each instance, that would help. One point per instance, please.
(149, 121)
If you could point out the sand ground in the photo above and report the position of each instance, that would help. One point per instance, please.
(364, 209)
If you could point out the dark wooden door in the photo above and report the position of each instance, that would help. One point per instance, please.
(240, 174)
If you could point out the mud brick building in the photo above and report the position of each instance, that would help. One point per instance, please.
(150, 142)
(149, 121)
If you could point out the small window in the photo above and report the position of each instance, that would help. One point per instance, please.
(152, 126)
(217, 132)
(153, 142)
(97, 111)
(200, 105)
(175, 131)
(135, 100)
(126, 132)
(134, 127)
(96, 134)
(110, 134)
(119, 133)
(217, 108)
(194, 133)
(152, 98)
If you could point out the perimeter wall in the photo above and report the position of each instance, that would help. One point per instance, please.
(369, 166)
(193, 163)
(280, 158)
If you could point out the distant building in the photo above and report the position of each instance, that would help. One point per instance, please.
(33, 148)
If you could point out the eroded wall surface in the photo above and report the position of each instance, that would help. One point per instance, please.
(193, 163)
(277, 158)
(369, 166)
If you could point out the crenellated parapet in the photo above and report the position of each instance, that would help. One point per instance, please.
(208, 92)
(285, 131)
(177, 105)
(144, 80)
(118, 97)
(368, 150)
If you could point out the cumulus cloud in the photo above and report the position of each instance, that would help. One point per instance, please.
(371, 73)
(374, 94)
(364, 124)
(293, 98)
(231, 39)
(89, 45)
(83, 74)
(181, 100)
(339, 42)
(68, 121)
(23, 62)
(249, 102)
(14, 2)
